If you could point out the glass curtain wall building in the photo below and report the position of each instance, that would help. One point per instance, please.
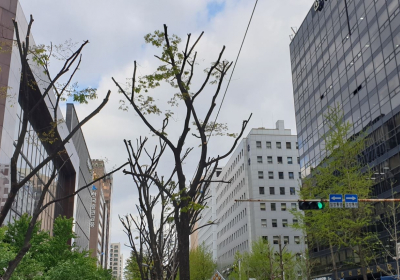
(348, 54)
(34, 150)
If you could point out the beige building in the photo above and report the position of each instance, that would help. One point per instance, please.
(100, 214)
(116, 261)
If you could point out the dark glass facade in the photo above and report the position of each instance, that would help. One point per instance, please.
(351, 59)
(357, 70)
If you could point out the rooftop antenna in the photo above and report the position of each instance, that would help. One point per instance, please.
(291, 36)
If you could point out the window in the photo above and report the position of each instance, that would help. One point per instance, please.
(280, 175)
(291, 175)
(299, 175)
(282, 190)
(5, 190)
(259, 159)
(269, 145)
(265, 238)
(262, 206)
(292, 191)
(286, 240)
(289, 160)
(264, 222)
(295, 221)
(269, 159)
(278, 145)
(274, 223)
(249, 161)
(283, 206)
(258, 144)
(273, 206)
(272, 190)
(279, 160)
(297, 145)
(260, 175)
(261, 190)
(294, 207)
(284, 223)
(298, 160)
(297, 239)
(288, 145)
(276, 239)
(271, 175)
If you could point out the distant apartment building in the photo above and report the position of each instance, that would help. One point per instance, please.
(116, 261)
(34, 150)
(265, 165)
(100, 214)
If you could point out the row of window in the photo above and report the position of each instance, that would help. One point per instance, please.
(275, 222)
(279, 160)
(280, 175)
(278, 145)
(276, 239)
(282, 190)
(273, 206)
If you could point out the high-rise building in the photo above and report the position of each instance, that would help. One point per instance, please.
(34, 149)
(83, 199)
(116, 261)
(264, 166)
(100, 214)
(347, 54)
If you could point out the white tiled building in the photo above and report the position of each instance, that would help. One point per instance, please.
(116, 261)
(265, 165)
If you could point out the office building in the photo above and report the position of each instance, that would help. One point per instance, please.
(116, 261)
(34, 149)
(100, 214)
(83, 199)
(348, 54)
(263, 166)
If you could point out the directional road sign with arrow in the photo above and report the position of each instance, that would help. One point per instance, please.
(351, 200)
(335, 201)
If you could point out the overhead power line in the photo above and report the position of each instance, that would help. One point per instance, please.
(233, 70)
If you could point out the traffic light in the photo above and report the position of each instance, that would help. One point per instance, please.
(311, 205)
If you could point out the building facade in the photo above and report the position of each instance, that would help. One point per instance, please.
(34, 149)
(116, 261)
(264, 166)
(100, 214)
(82, 201)
(348, 55)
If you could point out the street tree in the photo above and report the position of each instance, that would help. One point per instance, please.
(202, 265)
(265, 262)
(342, 171)
(50, 257)
(177, 70)
(151, 234)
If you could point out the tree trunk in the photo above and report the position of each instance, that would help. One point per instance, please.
(334, 268)
(183, 247)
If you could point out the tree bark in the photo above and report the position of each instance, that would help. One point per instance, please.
(334, 268)
(183, 246)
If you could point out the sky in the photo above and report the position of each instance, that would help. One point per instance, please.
(261, 83)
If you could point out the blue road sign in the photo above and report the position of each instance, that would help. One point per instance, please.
(351, 200)
(335, 201)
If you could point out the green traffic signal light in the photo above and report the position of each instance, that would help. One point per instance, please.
(311, 205)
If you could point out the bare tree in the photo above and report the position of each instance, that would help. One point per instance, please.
(177, 70)
(153, 225)
(30, 84)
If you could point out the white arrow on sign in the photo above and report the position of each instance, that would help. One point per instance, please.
(336, 198)
(351, 198)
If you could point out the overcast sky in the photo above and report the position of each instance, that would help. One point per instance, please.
(261, 83)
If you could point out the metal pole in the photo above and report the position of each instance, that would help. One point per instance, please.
(322, 200)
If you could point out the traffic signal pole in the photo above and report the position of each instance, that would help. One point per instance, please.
(318, 200)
